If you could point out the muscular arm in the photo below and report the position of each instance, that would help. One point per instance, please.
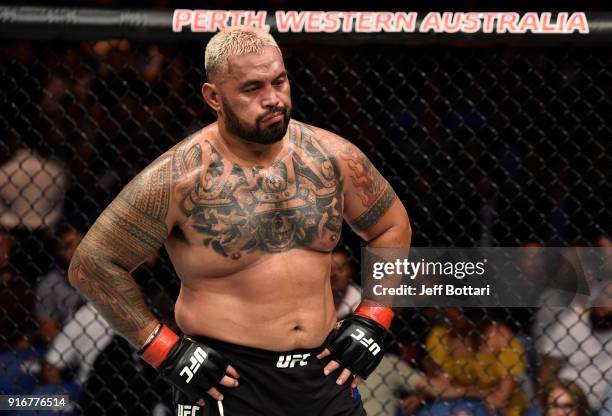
(371, 207)
(134, 226)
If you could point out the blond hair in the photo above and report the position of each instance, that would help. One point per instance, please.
(233, 41)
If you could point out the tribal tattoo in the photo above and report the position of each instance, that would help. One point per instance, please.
(295, 202)
(375, 193)
(129, 230)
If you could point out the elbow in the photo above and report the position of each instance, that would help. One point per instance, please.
(75, 270)
(73, 274)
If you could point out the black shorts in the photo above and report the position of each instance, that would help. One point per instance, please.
(272, 383)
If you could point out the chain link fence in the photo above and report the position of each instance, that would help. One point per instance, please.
(486, 146)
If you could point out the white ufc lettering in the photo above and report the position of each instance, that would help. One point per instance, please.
(289, 361)
(369, 343)
(196, 359)
(187, 410)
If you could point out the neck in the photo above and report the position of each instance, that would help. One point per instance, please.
(250, 152)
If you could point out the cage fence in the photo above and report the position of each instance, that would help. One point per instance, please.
(498, 143)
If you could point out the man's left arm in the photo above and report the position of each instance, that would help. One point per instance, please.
(376, 214)
(371, 206)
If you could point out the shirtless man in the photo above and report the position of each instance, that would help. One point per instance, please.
(249, 209)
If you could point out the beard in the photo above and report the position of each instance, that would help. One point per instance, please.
(256, 134)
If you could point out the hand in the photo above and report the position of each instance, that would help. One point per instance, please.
(357, 345)
(411, 403)
(496, 401)
(191, 366)
(435, 386)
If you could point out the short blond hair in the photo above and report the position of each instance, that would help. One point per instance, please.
(233, 41)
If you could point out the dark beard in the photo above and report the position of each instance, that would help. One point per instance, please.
(255, 134)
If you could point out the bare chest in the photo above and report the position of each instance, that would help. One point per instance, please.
(237, 211)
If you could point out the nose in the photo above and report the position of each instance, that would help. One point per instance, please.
(270, 97)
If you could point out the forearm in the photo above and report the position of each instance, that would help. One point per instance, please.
(132, 228)
(114, 293)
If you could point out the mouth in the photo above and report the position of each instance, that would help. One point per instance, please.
(273, 118)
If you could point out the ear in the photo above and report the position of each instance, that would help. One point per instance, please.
(211, 96)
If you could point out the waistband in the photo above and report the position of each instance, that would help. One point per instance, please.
(253, 353)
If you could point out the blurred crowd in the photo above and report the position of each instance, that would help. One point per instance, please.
(80, 121)
(441, 361)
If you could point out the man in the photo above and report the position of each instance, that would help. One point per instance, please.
(16, 299)
(578, 345)
(347, 295)
(249, 209)
(56, 299)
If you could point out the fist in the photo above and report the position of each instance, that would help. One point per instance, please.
(358, 344)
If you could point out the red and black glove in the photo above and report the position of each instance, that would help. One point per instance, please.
(189, 365)
(358, 342)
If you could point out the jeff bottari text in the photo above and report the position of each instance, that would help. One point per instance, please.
(427, 270)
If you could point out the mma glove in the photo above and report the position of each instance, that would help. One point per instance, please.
(189, 365)
(358, 342)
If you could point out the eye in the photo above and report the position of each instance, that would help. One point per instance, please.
(279, 81)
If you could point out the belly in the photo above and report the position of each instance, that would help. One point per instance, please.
(278, 302)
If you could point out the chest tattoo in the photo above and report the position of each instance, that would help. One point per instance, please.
(295, 202)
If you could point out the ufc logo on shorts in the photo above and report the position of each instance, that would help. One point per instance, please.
(288, 361)
(197, 358)
(187, 410)
(373, 347)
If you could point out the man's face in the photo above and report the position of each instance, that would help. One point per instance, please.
(255, 97)
(560, 403)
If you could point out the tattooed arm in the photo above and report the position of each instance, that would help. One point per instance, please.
(134, 226)
(371, 207)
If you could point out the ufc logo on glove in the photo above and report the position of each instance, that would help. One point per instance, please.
(196, 360)
(372, 346)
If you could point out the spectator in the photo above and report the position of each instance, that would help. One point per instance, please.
(347, 294)
(121, 383)
(87, 344)
(33, 190)
(20, 363)
(31, 203)
(578, 346)
(79, 342)
(16, 296)
(481, 355)
(565, 398)
(53, 384)
(607, 408)
(56, 299)
(392, 381)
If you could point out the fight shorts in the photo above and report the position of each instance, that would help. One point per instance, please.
(273, 383)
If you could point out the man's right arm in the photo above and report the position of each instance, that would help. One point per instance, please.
(134, 226)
